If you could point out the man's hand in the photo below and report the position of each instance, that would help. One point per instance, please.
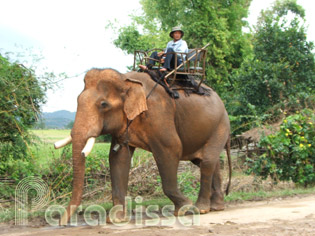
(160, 54)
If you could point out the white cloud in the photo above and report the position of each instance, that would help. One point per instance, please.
(71, 35)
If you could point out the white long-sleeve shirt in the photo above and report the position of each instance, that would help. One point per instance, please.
(178, 46)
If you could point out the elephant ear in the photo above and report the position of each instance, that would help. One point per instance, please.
(135, 100)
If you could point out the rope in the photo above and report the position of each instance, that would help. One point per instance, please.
(129, 122)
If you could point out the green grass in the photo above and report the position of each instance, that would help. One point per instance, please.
(260, 195)
(158, 201)
(45, 153)
(8, 213)
(44, 139)
(51, 135)
(43, 150)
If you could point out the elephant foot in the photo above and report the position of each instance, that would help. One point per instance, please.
(118, 218)
(180, 210)
(217, 202)
(204, 207)
(217, 206)
(220, 208)
(203, 211)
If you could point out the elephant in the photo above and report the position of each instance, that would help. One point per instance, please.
(191, 128)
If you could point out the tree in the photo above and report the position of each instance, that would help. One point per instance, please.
(69, 125)
(20, 99)
(203, 21)
(282, 69)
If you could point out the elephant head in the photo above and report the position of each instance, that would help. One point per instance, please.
(108, 100)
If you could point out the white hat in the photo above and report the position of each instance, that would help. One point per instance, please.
(176, 28)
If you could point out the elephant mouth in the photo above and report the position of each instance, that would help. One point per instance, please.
(85, 151)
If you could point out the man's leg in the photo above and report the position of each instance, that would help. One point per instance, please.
(155, 56)
(151, 63)
(168, 59)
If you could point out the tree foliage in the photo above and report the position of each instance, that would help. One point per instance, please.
(279, 79)
(281, 72)
(20, 99)
(203, 21)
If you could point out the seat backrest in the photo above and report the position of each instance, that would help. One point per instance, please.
(192, 52)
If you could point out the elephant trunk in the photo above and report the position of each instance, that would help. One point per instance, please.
(78, 178)
(85, 128)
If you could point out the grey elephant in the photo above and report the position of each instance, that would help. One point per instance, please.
(192, 128)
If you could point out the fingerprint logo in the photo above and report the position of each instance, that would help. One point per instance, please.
(24, 204)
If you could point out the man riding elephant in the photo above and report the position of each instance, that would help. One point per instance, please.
(167, 56)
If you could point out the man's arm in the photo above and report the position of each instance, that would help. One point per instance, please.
(182, 47)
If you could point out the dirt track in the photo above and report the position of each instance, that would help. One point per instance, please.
(291, 216)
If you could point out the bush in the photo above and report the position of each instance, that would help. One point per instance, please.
(290, 153)
(21, 95)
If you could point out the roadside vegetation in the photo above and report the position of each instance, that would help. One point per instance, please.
(55, 168)
(265, 77)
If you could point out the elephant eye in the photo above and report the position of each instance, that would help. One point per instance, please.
(104, 104)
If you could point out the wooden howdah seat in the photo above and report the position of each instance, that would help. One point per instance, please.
(193, 64)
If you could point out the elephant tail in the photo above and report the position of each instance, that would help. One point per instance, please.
(228, 153)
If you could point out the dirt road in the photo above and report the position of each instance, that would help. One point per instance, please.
(291, 216)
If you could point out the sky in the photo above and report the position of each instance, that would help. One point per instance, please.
(70, 36)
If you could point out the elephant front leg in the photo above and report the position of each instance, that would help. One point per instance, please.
(119, 171)
(168, 165)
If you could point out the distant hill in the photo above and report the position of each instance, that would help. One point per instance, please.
(56, 120)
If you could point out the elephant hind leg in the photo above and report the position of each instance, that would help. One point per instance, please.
(217, 197)
(210, 194)
(206, 175)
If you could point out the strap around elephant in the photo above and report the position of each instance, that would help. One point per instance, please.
(126, 133)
